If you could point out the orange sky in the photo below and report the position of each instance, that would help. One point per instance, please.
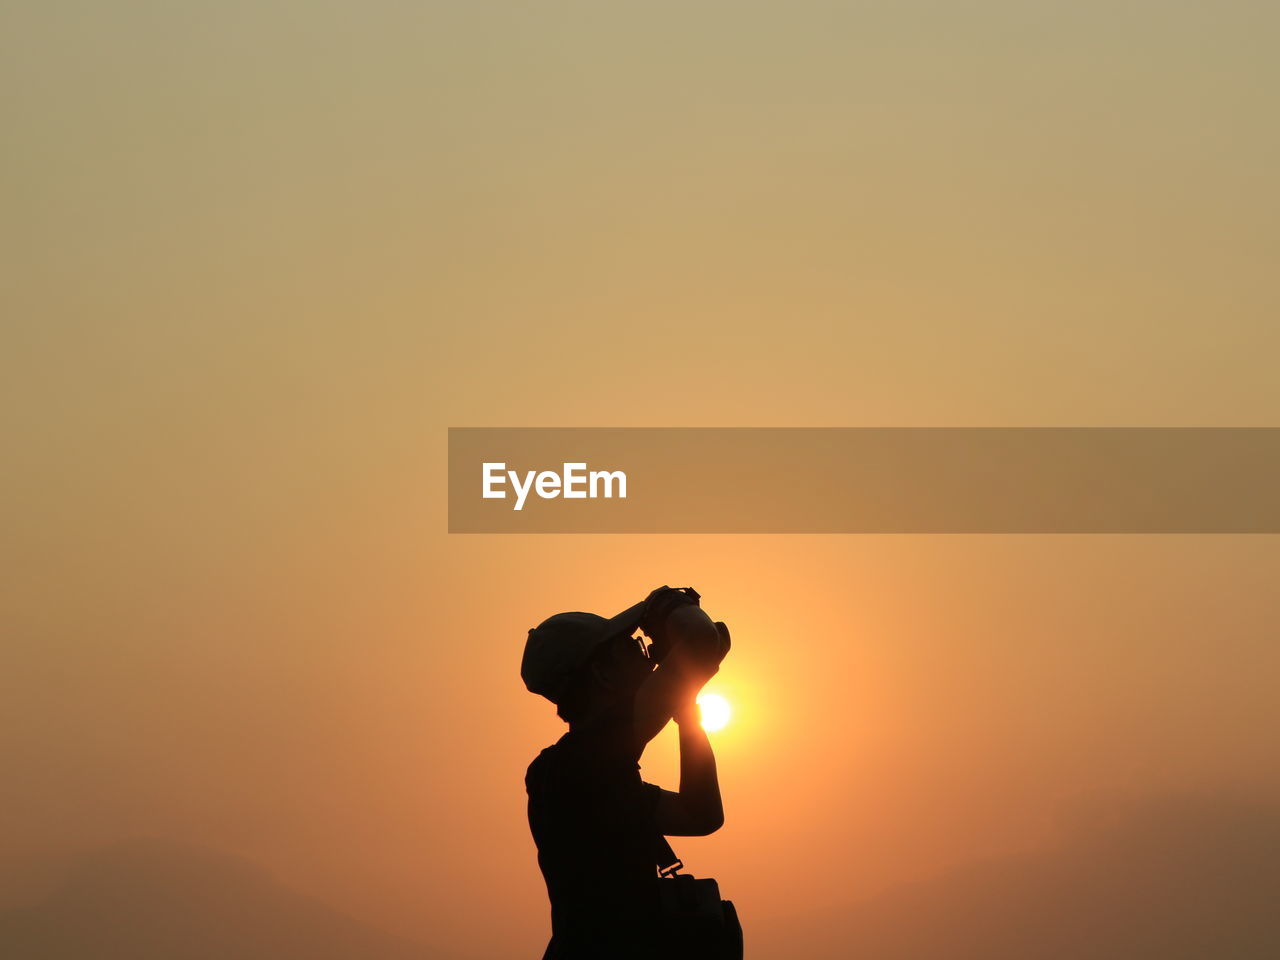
(262, 257)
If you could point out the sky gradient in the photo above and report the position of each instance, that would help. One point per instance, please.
(261, 256)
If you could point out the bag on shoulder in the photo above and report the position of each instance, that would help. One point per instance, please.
(693, 921)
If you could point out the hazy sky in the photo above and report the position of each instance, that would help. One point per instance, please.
(259, 256)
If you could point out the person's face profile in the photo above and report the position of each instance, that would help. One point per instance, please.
(622, 664)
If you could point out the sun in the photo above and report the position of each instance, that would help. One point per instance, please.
(715, 711)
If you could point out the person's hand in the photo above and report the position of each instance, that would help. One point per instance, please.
(725, 642)
(696, 637)
(711, 655)
(707, 656)
(659, 606)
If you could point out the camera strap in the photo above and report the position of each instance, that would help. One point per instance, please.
(664, 857)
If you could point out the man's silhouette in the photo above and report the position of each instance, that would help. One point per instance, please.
(593, 818)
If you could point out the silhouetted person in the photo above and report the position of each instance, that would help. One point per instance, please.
(593, 818)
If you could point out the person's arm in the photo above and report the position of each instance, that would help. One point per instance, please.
(698, 646)
(697, 809)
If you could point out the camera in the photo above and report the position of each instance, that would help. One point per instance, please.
(658, 606)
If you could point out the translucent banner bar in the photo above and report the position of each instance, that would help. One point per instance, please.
(864, 480)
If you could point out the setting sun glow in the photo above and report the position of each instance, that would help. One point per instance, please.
(715, 711)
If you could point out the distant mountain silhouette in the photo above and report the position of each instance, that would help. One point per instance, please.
(153, 900)
(1178, 879)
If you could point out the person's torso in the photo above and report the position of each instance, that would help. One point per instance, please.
(591, 816)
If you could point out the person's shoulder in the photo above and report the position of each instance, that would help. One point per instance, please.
(541, 764)
(598, 753)
(613, 742)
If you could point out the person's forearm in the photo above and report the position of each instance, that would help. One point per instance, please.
(699, 782)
